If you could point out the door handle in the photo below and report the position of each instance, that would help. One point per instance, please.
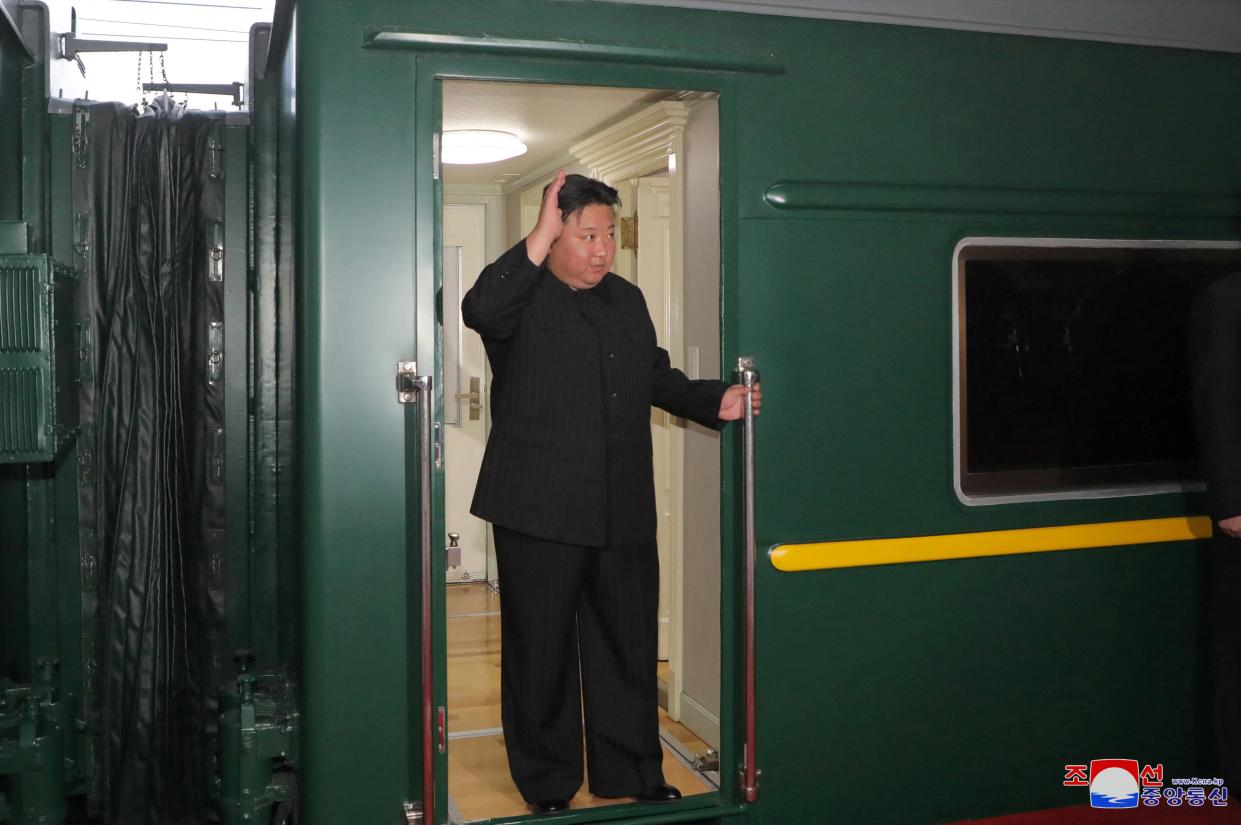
(475, 397)
(747, 375)
(414, 389)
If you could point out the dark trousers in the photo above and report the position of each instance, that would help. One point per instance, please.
(1223, 586)
(561, 604)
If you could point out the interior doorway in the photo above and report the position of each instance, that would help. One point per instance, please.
(660, 150)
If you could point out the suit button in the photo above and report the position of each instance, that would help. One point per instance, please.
(613, 395)
(611, 355)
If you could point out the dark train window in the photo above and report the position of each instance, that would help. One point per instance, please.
(1072, 378)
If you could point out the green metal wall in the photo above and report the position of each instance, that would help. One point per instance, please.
(355, 316)
(14, 614)
(13, 59)
(911, 693)
(272, 149)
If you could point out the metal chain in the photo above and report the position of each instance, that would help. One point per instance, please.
(141, 92)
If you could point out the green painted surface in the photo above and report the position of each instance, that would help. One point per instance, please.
(919, 680)
(285, 332)
(240, 602)
(274, 564)
(14, 588)
(60, 162)
(13, 60)
(13, 238)
(355, 316)
(264, 459)
(35, 156)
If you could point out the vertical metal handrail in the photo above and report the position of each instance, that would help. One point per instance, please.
(748, 376)
(426, 448)
(416, 389)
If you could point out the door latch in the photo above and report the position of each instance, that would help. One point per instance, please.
(709, 761)
(412, 811)
(474, 396)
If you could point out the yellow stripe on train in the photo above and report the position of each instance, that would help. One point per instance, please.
(827, 555)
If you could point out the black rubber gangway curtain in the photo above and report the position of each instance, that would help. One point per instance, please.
(144, 181)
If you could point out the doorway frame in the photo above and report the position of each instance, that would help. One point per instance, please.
(483, 64)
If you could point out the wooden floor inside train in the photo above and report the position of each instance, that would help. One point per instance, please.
(479, 785)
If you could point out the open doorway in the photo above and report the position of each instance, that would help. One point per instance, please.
(660, 150)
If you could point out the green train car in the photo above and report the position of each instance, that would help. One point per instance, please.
(960, 260)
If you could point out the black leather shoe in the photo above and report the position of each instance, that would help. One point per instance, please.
(553, 806)
(663, 792)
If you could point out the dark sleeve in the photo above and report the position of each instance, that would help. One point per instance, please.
(698, 401)
(1215, 365)
(493, 305)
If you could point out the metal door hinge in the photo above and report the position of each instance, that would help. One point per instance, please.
(407, 382)
(215, 156)
(86, 461)
(215, 457)
(412, 811)
(629, 232)
(215, 352)
(215, 253)
(81, 238)
(435, 156)
(86, 361)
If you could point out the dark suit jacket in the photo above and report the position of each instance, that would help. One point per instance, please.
(1215, 362)
(574, 376)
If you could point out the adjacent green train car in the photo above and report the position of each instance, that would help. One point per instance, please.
(925, 649)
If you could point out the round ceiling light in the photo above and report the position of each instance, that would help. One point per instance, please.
(480, 146)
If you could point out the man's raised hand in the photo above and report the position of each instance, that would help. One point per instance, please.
(550, 225)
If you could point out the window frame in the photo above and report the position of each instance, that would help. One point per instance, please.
(960, 256)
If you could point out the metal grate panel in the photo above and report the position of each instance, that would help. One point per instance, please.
(21, 396)
(22, 294)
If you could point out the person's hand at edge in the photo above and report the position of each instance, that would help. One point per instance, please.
(732, 405)
(1231, 527)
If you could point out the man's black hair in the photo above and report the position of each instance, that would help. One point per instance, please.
(579, 191)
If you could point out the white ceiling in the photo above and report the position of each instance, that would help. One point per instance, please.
(1214, 25)
(548, 119)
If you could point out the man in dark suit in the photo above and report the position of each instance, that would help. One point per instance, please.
(566, 481)
(1215, 362)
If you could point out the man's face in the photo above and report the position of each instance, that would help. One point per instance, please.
(584, 252)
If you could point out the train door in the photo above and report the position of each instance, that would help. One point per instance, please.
(462, 771)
